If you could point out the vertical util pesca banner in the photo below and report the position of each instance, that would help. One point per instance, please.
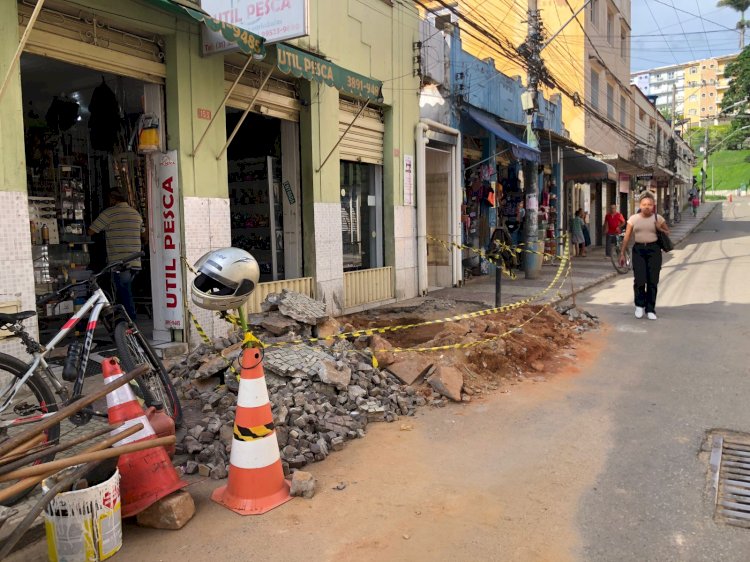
(166, 225)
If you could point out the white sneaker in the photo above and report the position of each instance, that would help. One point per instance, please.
(651, 316)
(639, 312)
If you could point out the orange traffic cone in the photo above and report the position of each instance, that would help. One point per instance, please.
(148, 475)
(256, 480)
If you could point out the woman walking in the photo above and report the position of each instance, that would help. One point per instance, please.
(646, 254)
(576, 228)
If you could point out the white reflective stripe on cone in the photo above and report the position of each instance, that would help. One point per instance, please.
(252, 393)
(147, 431)
(258, 453)
(121, 395)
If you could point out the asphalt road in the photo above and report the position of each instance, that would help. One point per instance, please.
(602, 461)
(674, 379)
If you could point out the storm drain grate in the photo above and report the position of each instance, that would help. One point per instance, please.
(730, 465)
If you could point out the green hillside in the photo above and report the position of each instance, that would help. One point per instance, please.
(731, 168)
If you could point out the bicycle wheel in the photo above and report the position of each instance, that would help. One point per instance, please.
(33, 398)
(134, 350)
(615, 257)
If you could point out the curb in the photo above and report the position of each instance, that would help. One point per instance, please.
(614, 274)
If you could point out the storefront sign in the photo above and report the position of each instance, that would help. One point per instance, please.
(274, 20)
(219, 35)
(408, 179)
(166, 223)
(624, 183)
(304, 65)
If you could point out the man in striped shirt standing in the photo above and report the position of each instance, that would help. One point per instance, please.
(122, 226)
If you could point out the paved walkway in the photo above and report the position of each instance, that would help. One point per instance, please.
(587, 271)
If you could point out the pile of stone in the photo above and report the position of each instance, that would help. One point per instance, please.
(322, 394)
(583, 319)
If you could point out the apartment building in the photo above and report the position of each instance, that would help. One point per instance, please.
(699, 87)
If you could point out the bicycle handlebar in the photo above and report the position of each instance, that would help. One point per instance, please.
(67, 288)
(119, 263)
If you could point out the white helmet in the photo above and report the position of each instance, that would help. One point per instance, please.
(225, 279)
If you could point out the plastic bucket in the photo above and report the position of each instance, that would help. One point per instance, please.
(85, 525)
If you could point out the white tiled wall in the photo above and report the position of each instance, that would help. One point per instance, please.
(405, 220)
(17, 271)
(207, 227)
(329, 256)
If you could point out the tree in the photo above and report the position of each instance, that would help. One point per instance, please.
(740, 6)
(736, 100)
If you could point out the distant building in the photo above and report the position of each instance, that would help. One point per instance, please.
(699, 87)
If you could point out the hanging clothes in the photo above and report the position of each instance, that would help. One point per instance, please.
(104, 123)
(62, 114)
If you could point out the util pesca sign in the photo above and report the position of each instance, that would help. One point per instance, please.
(274, 20)
(166, 222)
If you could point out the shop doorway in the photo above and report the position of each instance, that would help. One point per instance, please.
(438, 201)
(81, 144)
(265, 198)
(361, 215)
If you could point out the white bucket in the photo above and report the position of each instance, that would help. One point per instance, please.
(85, 525)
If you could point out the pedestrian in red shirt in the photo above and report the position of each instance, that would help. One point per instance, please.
(695, 202)
(613, 222)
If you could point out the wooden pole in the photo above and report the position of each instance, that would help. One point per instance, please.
(58, 487)
(21, 45)
(24, 447)
(67, 411)
(57, 465)
(13, 464)
(27, 483)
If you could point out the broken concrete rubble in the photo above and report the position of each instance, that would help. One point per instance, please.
(447, 381)
(323, 394)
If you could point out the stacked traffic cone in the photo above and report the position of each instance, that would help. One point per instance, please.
(256, 479)
(148, 475)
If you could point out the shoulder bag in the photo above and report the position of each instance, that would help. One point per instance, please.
(662, 238)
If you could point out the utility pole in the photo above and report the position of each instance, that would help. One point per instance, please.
(531, 51)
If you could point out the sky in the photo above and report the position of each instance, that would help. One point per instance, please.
(664, 34)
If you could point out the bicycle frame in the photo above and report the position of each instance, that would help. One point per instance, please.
(96, 303)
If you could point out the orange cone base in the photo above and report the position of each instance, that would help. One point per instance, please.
(254, 506)
(253, 491)
(147, 477)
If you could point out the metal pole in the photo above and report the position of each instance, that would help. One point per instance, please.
(498, 281)
(244, 115)
(222, 104)
(21, 45)
(705, 164)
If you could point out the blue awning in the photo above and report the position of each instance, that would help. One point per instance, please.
(520, 149)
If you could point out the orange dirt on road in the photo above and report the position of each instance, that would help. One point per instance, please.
(497, 479)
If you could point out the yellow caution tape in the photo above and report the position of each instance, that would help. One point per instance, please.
(466, 316)
(565, 265)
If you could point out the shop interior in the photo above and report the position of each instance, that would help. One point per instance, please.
(494, 198)
(256, 190)
(81, 143)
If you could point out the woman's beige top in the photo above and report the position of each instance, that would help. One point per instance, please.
(644, 229)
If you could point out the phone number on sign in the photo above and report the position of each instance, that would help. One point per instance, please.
(359, 85)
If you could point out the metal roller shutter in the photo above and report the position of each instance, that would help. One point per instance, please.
(86, 40)
(364, 141)
(278, 99)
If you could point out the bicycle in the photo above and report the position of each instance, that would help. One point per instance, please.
(34, 387)
(615, 255)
